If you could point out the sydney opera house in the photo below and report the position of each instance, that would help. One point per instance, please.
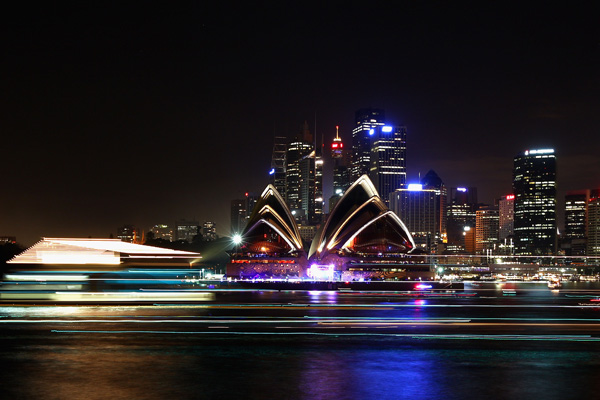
(360, 240)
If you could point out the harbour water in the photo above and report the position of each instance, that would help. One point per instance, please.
(502, 341)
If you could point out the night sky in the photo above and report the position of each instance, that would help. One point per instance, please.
(147, 112)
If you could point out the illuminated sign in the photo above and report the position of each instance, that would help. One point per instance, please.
(334, 145)
(462, 190)
(415, 187)
(539, 151)
(386, 129)
(510, 197)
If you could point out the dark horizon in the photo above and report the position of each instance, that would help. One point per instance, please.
(142, 114)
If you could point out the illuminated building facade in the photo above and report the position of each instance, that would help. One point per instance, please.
(388, 159)
(506, 210)
(593, 224)
(241, 210)
(311, 188)
(576, 206)
(487, 224)
(162, 231)
(341, 173)
(277, 172)
(187, 230)
(366, 119)
(462, 205)
(469, 239)
(304, 179)
(238, 216)
(126, 233)
(534, 187)
(298, 167)
(421, 209)
(209, 231)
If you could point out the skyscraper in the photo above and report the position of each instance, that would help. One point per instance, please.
(506, 208)
(241, 209)
(486, 228)
(462, 204)
(209, 231)
(388, 159)
(420, 209)
(341, 174)
(576, 206)
(593, 224)
(304, 178)
(366, 119)
(277, 173)
(297, 150)
(187, 230)
(534, 184)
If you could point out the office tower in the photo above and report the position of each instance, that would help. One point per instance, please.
(311, 189)
(341, 177)
(317, 216)
(462, 204)
(341, 173)
(209, 231)
(298, 150)
(576, 205)
(421, 211)
(487, 221)
(534, 186)
(379, 151)
(241, 209)
(388, 159)
(366, 120)
(126, 233)
(506, 209)
(469, 239)
(238, 215)
(187, 230)
(431, 180)
(304, 178)
(593, 224)
(277, 173)
(162, 231)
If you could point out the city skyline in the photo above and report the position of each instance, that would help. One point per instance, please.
(147, 116)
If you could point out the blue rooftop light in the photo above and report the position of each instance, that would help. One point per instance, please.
(415, 187)
(386, 129)
(272, 171)
(371, 132)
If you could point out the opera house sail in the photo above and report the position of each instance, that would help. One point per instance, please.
(361, 239)
(270, 243)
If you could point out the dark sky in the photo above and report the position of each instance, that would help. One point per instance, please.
(149, 112)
